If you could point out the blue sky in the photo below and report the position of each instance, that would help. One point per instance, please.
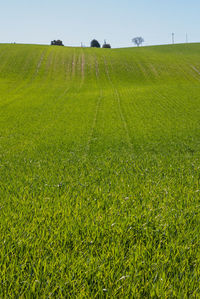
(117, 21)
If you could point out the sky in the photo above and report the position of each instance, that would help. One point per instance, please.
(116, 21)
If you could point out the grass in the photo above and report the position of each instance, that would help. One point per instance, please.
(100, 172)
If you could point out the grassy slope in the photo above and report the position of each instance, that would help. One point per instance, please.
(99, 171)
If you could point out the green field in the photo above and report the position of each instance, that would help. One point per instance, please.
(100, 172)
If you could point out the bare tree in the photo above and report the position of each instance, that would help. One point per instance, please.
(138, 40)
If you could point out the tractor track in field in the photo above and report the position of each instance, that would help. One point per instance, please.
(154, 70)
(91, 134)
(118, 100)
(96, 69)
(50, 64)
(81, 62)
(41, 59)
(143, 70)
(196, 71)
(74, 65)
(67, 71)
(39, 63)
(78, 69)
(123, 119)
(184, 72)
(99, 99)
(82, 68)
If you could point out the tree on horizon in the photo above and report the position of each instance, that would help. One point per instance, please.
(138, 40)
(95, 44)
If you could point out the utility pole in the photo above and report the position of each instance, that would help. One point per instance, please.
(186, 38)
(172, 38)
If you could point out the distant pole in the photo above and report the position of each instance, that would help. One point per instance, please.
(186, 38)
(172, 38)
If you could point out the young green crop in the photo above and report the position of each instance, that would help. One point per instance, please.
(100, 172)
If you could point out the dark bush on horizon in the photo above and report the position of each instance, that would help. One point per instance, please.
(57, 43)
(106, 46)
(95, 44)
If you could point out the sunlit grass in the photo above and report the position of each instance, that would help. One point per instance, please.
(100, 172)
